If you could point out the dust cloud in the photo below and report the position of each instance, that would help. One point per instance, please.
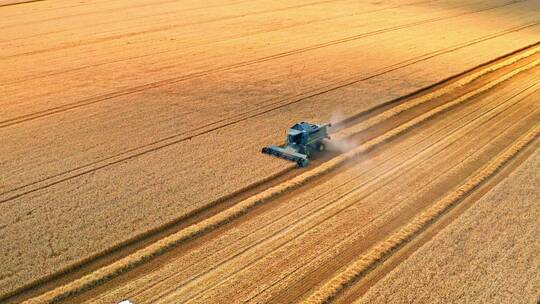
(339, 143)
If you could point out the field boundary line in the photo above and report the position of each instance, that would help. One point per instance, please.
(20, 2)
(383, 250)
(139, 257)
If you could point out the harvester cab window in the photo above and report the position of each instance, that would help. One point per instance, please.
(295, 138)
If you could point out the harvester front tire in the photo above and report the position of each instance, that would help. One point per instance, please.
(321, 147)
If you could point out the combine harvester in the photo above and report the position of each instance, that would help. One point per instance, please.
(303, 139)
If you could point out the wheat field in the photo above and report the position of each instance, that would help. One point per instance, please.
(488, 255)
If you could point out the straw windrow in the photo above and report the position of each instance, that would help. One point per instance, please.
(386, 248)
(113, 270)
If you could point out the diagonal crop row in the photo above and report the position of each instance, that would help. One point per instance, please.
(313, 266)
(508, 60)
(383, 250)
(12, 3)
(113, 270)
(165, 142)
(164, 82)
(182, 276)
(244, 264)
(394, 111)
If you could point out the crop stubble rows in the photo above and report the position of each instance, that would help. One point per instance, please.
(197, 255)
(495, 240)
(201, 158)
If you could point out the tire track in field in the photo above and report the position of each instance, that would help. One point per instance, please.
(68, 270)
(109, 10)
(340, 210)
(393, 109)
(19, 2)
(388, 247)
(233, 37)
(141, 88)
(351, 237)
(166, 28)
(143, 255)
(178, 138)
(384, 174)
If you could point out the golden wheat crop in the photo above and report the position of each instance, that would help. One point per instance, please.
(488, 254)
(394, 111)
(244, 206)
(381, 251)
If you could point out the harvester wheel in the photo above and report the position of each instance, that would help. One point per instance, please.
(321, 147)
(302, 163)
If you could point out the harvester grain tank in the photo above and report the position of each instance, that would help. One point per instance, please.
(303, 139)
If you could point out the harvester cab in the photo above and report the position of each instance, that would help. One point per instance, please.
(303, 139)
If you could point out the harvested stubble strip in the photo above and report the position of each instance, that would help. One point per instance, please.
(435, 94)
(384, 249)
(343, 134)
(115, 269)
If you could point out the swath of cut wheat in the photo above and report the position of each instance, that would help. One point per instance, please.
(141, 256)
(381, 251)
